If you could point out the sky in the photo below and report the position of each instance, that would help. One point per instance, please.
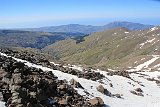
(38, 13)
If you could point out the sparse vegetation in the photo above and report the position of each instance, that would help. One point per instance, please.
(111, 48)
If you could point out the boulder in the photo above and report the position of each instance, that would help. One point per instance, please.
(68, 98)
(117, 95)
(93, 102)
(17, 79)
(63, 102)
(62, 87)
(110, 84)
(75, 84)
(101, 89)
(96, 102)
(138, 90)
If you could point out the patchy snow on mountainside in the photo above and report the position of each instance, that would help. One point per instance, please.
(120, 85)
(155, 74)
(148, 41)
(145, 64)
(153, 29)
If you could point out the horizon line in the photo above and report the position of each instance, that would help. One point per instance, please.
(42, 26)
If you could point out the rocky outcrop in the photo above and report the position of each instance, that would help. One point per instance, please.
(120, 73)
(41, 60)
(138, 92)
(23, 86)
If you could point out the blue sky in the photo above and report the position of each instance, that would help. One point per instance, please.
(37, 13)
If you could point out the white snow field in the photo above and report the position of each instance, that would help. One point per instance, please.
(121, 85)
(146, 64)
(2, 104)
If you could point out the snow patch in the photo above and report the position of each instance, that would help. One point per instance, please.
(126, 32)
(143, 59)
(148, 41)
(79, 67)
(146, 64)
(2, 104)
(153, 29)
(151, 40)
(115, 33)
(135, 62)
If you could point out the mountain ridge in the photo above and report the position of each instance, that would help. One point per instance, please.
(87, 29)
(108, 49)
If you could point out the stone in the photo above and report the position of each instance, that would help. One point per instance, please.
(100, 101)
(96, 102)
(138, 90)
(62, 87)
(20, 105)
(63, 102)
(101, 89)
(110, 84)
(16, 70)
(68, 98)
(15, 88)
(93, 101)
(17, 101)
(118, 95)
(140, 94)
(1, 96)
(6, 80)
(17, 79)
(133, 92)
(75, 84)
(29, 105)
(15, 96)
(33, 98)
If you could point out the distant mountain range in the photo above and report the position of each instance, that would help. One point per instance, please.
(87, 29)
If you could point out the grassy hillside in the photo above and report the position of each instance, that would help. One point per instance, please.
(108, 49)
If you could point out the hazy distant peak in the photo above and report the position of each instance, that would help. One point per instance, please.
(87, 29)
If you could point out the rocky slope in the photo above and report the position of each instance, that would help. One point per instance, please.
(114, 48)
(70, 85)
(22, 85)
